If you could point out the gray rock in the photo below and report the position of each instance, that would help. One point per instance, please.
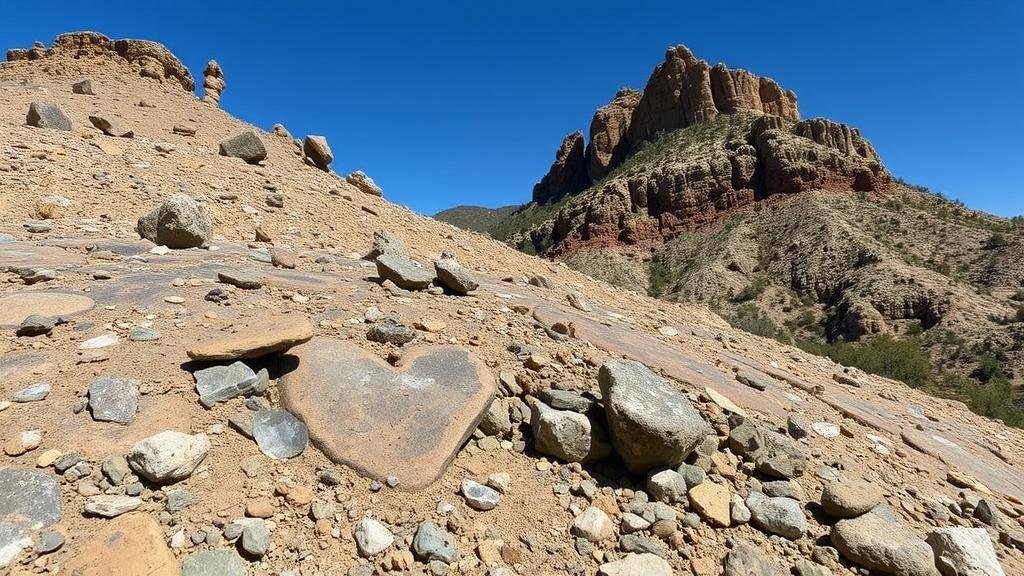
(143, 334)
(652, 423)
(746, 560)
(112, 125)
(180, 222)
(43, 115)
(113, 399)
(390, 331)
(780, 457)
(178, 500)
(403, 272)
(318, 152)
(797, 427)
(566, 400)
(372, 537)
(692, 475)
(213, 563)
(454, 277)
(219, 383)
(641, 545)
(83, 87)
(111, 505)
(28, 498)
(36, 325)
(496, 421)
(886, 547)
(255, 539)
(781, 516)
(739, 513)
(49, 541)
(987, 512)
(432, 543)
(275, 200)
(567, 435)
(754, 379)
(115, 468)
(784, 488)
(593, 524)
(479, 497)
(279, 434)
(13, 542)
(964, 552)
(807, 568)
(246, 146)
(168, 456)
(386, 243)
(33, 393)
(667, 486)
(239, 279)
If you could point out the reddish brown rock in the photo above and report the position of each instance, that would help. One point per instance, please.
(608, 128)
(125, 546)
(568, 174)
(213, 83)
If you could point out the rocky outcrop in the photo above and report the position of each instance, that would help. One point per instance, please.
(568, 175)
(213, 83)
(608, 146)
(150, 59)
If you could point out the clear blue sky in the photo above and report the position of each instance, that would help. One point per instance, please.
(464, 101)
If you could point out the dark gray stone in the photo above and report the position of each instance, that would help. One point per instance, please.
(178, 500)
(403, 272)
(180, 222)
(567, 435)
(434, 543)
(255, 539)
(239, 279)
(113, 399)
(781, 516)
(390, 331)
(454, 277)
(279, 434)
(49, 541)
(83, 87)
(36, 325)
(246, 146)
(566, 400)
(43, 115)
(385, 243)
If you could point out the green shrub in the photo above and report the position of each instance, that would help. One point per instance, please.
(996, 240)
(750, 319)
(903, 360)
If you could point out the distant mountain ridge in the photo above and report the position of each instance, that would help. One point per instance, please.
(476, 218)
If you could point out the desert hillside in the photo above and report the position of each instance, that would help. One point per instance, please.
(218, 356)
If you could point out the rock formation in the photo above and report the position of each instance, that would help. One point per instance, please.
(607, 130)
(150, 59)
(213, 83)
(568, 175)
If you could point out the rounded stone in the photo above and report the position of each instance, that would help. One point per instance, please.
(279, 434)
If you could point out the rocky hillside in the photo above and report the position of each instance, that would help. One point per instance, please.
(702, 188)
(219, 356)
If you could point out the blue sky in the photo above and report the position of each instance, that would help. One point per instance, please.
(464, 101)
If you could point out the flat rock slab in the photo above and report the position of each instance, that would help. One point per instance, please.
(28, 498)
(258, 338)
(130, 544)
(408, 420)
(14, 308)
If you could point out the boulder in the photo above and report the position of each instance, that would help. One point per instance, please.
(566, 435)
(454, 277)
(364, 183)
(883, 546)
(180, 222)
(385, 243)
(850, 498)
(246, 146)
(778, 515)
(405, 273)
(168, 456)
(652, 424)
(29, 498)
(964, 552)
(112, 126)
(114, 399)
(43, 115)
(257, 338)
(318, 152)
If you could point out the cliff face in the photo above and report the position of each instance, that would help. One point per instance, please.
(699, 140)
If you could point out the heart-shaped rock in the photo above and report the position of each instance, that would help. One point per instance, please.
(408, 421)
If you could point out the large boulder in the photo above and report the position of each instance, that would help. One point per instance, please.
(404, 272)
(318, 152)
(652, 424)
(364, 183)
(778, 515)
(112, 125)
(568, 436)
(850, 498)
(883, 546)
(180, 222)
(964, 552)
(246, 146)
(43, 115)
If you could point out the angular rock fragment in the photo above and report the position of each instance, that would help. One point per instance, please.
(168, 456)
(405, 273)
(219, 383)
(318, 152)
(279, 434)
(246, 146)
(114, 399)
(43, 115)
(180, 222)
(568, 436)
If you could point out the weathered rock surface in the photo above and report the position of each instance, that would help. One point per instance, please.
(777, 515)
(279, 434)
(213, 83)
(568, 436)
(43, 115)
(219, 383)
(318, 152)
(408, 419)
(246, 146)
(454, 277)
(964, 552)
(568, 174)
(372, 537)
(180, 222)
(404, 272)
(364, 183)
(645, 564)
(255, 339)
(28, 498)
(650, 421)
(746, 560)
(114, 399)
(168, 456)
(112, 125)
(850, 498)
(129, 544)
(887, 547)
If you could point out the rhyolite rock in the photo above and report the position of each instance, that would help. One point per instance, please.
(408, 419)
(454, 277)
(651, 423)
(114, 399)
(964, 552)
(168, 456)
(43, 115)
(246, 146)
(180, 222)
